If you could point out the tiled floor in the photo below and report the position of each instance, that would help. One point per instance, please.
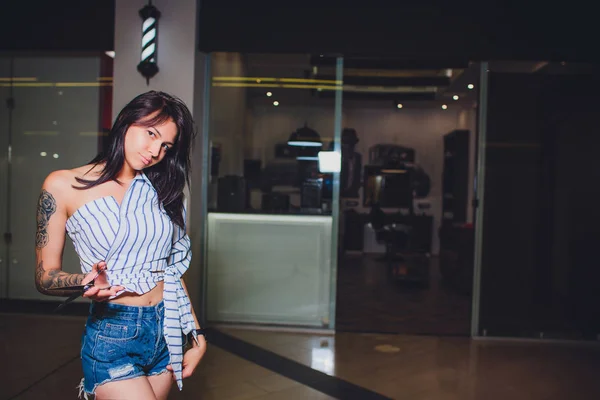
(41, 360)
(369, 301)
(425, 367)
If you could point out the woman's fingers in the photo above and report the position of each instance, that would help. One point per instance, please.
(111, 291)
(100, 294)
(100, 266)
(91, 292)
(97, 269)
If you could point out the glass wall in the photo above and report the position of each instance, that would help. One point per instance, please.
(406, 185)
(5, 123)
(272, 189)
(60, 112)
(541, 220)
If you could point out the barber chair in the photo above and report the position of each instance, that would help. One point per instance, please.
(395, 237)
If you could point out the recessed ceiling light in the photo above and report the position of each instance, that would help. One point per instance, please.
(269, 94)
(55, 155)
(444, 106)
(470, 86)
(275, 103)
(43, 154)
(455, 97)
(399, 105)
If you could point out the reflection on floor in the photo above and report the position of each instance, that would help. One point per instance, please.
(369, 301)
(435, 368)
(41, 360)
(40, 355)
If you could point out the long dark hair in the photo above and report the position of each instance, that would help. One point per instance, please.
(168, 176)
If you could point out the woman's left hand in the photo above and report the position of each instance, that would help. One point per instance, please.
(192, 357)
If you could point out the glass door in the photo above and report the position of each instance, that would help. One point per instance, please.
(272, 189)
(541, 219)
(5, 130)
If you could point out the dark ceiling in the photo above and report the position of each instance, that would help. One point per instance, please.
(61, 25)
(426, 31)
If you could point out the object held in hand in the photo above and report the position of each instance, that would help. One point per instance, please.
(79, 290)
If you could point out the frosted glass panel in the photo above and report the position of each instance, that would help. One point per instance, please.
(56, 124)
(271, 269)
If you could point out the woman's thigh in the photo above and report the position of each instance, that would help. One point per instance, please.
(127, 389)
(161, 384)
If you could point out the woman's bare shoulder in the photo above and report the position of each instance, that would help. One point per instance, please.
(63, 180)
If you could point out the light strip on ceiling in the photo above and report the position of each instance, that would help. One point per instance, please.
(281, 85)
(395, 89)
(27, 84)
(258, 79)
(21, 79)
(55, 84)
(82, 84)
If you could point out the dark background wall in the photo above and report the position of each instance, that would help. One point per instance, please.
(541, 225)
(62, 25)
(415, 31)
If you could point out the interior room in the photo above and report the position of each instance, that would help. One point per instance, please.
(406, 223)
(404, 243)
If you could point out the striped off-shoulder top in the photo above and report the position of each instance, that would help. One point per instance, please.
(141, 246)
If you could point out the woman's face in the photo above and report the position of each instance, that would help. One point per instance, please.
(147, 146)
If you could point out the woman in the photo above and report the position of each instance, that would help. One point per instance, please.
(125, 214)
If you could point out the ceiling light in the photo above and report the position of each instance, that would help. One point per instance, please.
(269, 94)
(43, 154)
(399, 105)
(275, 103)
(455, 97)
(470, 86)
(305, 137)
(111, 54)
(444, 106)
(55, 155)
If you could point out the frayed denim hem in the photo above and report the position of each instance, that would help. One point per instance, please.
(159, 372)
(83, 394)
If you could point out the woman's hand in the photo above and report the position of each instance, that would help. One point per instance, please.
(192, 357)
(101, 291)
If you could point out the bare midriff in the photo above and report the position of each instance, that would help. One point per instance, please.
(150, 298)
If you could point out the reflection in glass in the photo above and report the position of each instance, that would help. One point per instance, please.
(62, 107)
(270, 198)
(269, 120)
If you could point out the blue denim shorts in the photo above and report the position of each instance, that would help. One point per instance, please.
(122, 342)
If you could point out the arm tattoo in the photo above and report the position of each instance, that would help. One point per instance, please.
(46, 207)
(55, 279)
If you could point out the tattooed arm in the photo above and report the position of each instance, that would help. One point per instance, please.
(50, 237)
